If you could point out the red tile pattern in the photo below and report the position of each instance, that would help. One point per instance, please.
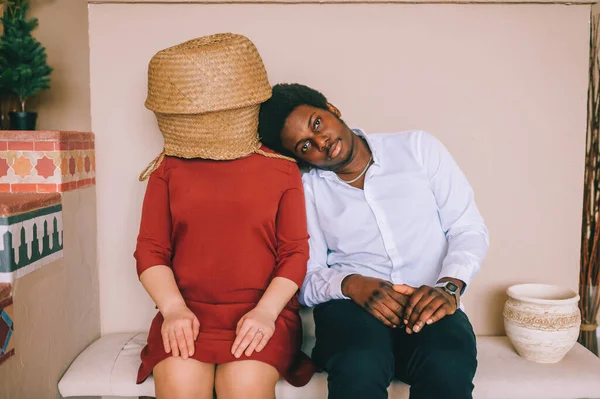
(46, 161)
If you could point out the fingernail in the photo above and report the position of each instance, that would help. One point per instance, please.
(416, 329)
(405, 321)
(429, 321)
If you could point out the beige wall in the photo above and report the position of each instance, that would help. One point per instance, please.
(503, 86)
(63, 30)
(56, 312)
(57, 307)
(340, 1)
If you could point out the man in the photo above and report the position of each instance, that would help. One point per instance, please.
(395, 239)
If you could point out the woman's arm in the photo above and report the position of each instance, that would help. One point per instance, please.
(153, 255)
(256, 328)
(180, 326)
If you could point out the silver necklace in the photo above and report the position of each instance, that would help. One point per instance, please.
(361, 173)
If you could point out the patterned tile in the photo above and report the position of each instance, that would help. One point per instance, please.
(45, 167)
(20, 145)
(22, 166)
(6, 323)
(3, 167)
(72, 166)
(46, 161)
(64, 164)
(80, 165)
(30, 240)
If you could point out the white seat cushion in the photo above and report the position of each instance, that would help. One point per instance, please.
(109, 367)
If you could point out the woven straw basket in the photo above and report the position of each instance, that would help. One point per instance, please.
(206, 94)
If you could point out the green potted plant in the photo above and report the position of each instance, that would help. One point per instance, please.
(23, 68)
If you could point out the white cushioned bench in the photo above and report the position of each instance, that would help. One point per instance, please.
(109, 367)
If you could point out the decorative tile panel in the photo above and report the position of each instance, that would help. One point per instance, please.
(7, 346)
(46, 161)
(31, 233)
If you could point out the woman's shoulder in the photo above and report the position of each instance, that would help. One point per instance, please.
(276, 161)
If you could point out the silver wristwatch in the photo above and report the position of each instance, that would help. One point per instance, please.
(451, 289)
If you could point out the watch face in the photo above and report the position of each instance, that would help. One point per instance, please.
(451, 287)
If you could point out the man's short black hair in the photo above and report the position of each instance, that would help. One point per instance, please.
(274, 112)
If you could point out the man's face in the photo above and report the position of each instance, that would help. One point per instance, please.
(318, 137)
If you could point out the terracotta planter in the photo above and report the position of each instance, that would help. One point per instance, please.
(542, 321)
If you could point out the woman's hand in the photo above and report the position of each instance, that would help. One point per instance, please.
(179, 330)
(254, 330)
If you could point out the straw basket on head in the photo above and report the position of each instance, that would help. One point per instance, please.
(206, 95)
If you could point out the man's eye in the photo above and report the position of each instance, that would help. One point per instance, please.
(305, 147)
(317, 123)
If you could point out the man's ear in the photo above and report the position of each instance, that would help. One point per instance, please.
(333, 109)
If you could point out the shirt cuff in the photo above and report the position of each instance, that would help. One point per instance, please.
(458, 272)
(335, 286)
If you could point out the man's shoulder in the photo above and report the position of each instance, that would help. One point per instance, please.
(402, 137)
(309, 176)
(403, 143)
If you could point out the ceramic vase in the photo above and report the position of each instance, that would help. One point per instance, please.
(542, 321)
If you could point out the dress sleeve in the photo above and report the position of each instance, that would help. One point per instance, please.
(154, 240)
(292, 235)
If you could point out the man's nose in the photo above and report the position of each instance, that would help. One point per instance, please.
(322, 142)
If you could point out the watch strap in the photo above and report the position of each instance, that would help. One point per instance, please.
(451, 289)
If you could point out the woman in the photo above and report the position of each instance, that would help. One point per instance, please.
(223, 243)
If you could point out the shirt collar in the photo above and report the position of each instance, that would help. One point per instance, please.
(372, 147)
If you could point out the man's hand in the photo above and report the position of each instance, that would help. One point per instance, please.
(425, 306)
(377, 297)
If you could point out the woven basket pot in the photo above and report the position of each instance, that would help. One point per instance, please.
(206, 94)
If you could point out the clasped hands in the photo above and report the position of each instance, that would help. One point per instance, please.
(399, 305)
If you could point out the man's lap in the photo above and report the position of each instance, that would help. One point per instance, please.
(344, 327)
(341, 325)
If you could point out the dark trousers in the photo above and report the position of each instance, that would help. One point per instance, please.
(362, 356)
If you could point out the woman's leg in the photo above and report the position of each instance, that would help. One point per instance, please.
(248, 379)
(176, 378)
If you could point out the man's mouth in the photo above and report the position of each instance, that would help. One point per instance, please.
(335, 149)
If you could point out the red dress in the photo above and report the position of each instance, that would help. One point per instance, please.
(227, 228)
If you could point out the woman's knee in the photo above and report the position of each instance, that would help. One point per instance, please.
(177, 378)
(249, 379)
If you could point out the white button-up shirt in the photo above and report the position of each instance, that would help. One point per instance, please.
(414, 222)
